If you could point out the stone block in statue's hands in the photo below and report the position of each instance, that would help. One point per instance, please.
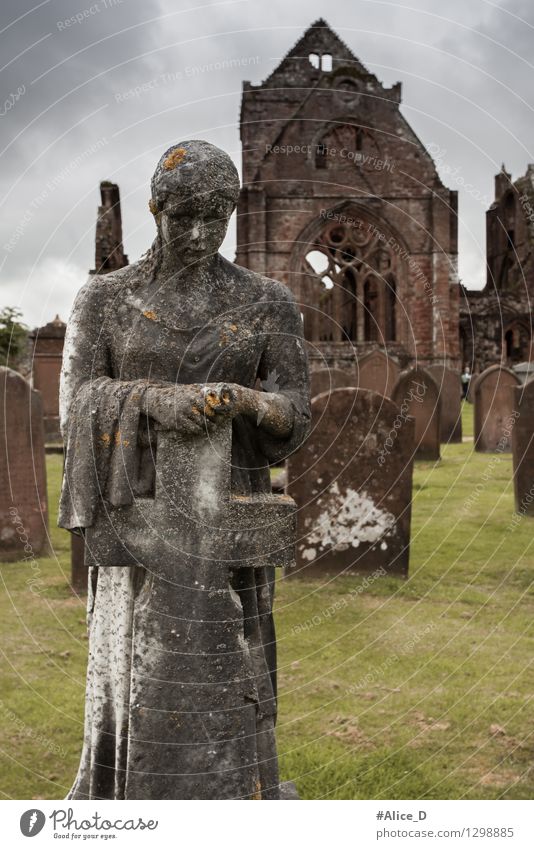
(189, 409)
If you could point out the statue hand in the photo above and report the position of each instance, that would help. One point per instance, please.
(272, 410)
(189, 409)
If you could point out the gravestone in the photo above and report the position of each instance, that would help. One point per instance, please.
(377, 372)
(23, 498)
(494, 408)
(450, 393)
(470, 396)
(417, 394)
(46, 366)
(352, 481)
(327, 379)
(523, 449)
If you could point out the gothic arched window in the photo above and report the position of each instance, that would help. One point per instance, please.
(351, 273)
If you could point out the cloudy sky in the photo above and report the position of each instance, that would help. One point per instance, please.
(67, 120)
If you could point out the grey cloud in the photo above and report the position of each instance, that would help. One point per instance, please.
(176, 51)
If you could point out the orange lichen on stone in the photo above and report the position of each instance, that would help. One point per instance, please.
(106, 438)
(119, 440)
(212, 400)
(150, 314)
(257, 791)
(174, 158)
(224, 338)
(152, 206)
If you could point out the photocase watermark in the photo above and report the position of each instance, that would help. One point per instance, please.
(88, 12)
(186, 73)
(32, 822)
(11, 100)
(414, 395)
(50, 186)
(91, 825)
(35, 583)
(378, 672)
(29, 732)
(369, 160)
(454, 174)
(334, 608)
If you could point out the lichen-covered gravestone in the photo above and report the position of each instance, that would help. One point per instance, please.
(523, 448)
(23, 499)
(377, 372)
(352, 481)
(494, 409)
(417, 391)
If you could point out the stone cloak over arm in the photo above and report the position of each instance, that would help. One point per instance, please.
(284, 369)
(99, 415)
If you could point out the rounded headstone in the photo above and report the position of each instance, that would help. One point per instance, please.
(23, 498)
(450, 393)
(494, 408)
(377, 372)
(417, 394)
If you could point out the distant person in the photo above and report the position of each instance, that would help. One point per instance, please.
(466, 379)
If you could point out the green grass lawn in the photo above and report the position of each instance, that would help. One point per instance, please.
(467, 419)
(417, 688)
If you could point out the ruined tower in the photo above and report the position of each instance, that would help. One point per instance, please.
(343, 203)
(496, 322)
(109, 252)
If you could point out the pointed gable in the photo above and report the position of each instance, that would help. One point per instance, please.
(319, 40)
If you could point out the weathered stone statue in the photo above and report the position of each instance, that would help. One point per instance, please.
(168, 438)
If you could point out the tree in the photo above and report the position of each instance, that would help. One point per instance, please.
(13, 337)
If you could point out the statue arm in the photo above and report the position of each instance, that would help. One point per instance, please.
(99, 415)
(282, 410)
(272, 411)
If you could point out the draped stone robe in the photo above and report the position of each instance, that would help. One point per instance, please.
(125, 332)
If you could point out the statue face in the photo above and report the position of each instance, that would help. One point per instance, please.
(194, 229)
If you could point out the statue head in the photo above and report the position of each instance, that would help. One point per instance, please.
(194, 192)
